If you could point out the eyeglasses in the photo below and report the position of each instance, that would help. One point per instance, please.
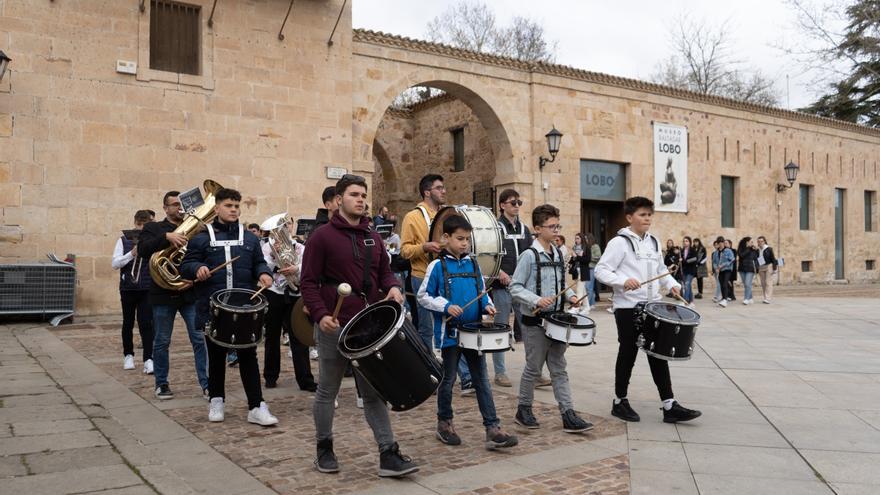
(515, 202)
(439, 188)
(555, 226)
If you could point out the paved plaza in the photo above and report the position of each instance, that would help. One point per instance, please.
(790, 394)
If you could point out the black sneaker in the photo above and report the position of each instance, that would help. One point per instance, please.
(698, 296)
(677, 413)
(326, 461)
(271, 384)
(572, 423)
(163, 392)
(309, 387)
(624, 411)
(525, 418)
(446, 433)
(468, 389)
(497, 439)
(393, 464)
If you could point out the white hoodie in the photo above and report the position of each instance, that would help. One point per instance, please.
(619, 263)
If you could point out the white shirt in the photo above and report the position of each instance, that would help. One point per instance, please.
(619, 263)
(761, 256)
(280, 282)
(120, 260)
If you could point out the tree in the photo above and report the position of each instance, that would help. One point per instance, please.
(471, 25)
(854, 95)
(702, 63)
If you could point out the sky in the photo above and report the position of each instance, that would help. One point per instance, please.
(627, 37)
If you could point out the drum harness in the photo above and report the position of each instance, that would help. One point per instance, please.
(647, 258)
(558, 265)
(447, 282)
(227, 249)
(366, 280)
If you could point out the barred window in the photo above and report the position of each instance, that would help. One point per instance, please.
(174, 37)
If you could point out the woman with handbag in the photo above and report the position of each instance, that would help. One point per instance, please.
(702, 270)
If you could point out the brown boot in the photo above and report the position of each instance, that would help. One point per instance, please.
(446, 433)
(498, 439)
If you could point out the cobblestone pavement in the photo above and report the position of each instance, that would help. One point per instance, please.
(282, 457)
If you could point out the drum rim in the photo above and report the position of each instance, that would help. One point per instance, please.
(551, 320)
(500, 329)
(233, 346)
(263, 302)
(381, 342)
(694, 323)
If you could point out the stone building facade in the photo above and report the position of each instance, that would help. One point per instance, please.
(83, 143)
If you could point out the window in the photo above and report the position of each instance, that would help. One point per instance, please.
(806, 206)
(870, 199)
(458, 150)
(869, 264)
(806, 266)
(728, 201)
(174, 37)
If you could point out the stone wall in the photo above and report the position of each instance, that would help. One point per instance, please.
(83, 146)
(418, 142)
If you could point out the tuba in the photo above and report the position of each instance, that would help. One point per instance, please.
(282, 244)
(165, 264)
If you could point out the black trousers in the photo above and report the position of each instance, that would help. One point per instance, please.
(136, 303)
(699, 285)
(626, 358)
(248, 368)
(277, 321)
(725, 278)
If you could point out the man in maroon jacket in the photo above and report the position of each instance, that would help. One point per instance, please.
(346, 250)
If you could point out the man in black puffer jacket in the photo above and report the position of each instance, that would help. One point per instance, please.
(225, 239)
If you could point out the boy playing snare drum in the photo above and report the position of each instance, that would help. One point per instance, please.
(451, 282)
(539, 276)
(630, 257)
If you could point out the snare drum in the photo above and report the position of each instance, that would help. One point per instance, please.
(570, 328)
(666, 330)
(484, 336)
(385, 350)
(236, 319)
(486, 241)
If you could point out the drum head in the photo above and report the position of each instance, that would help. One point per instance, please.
(239, 300)
(673, 313)
(571, 320)
(484, 326)
(368, 327)
(486, 242)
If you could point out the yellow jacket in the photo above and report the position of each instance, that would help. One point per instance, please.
(413, 233)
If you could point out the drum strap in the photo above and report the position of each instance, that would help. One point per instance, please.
(227, 249)
(514, 237)
(447, 277)
(558, 273)
(427, 217)
(367, 281)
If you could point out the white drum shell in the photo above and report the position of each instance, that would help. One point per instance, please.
(486, 240)
(577, 336)
(484, 341)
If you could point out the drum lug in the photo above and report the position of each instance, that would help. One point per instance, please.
(355, 363)
(690, 350)
(378, 355)
(216, 312)
(656, 323)
(255, 316)
(253, 338)
(401, 335)
(434, 380)
(651, 348)
(234, 316)
(677, 329)
(673, 352)
(232, 338)
(214, 333)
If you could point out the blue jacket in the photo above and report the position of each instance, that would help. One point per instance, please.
(245, 270)
(440, 290)
(723, 260)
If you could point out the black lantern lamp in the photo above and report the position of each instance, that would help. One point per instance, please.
(554, 138)
(791, 173)
(4, 61)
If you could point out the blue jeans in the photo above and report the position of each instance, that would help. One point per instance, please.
(688, 287)
(591, 287)
(426, 331)
(477, 364)
(163, 323)
(747, 278)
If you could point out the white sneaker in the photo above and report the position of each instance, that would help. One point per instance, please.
(715, 299)
(745, 302)
(610, 310)
(335, 403)
(723, 303)
(262, 416)
(313, 353)
(215, 411)
(766, 301)
(128, 362)
(360, 403)
(148, 367)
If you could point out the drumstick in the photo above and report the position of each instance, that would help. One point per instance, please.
(669, 271)
(679, 298)
(470, 302)
(257, 293)
(344, 290)
(214, 270)
(537, 310)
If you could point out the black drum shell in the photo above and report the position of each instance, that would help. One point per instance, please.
(395, 363)
(236, 328)
(664, 339)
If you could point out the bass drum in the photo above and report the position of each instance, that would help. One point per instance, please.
(385, 350)
(486, 241)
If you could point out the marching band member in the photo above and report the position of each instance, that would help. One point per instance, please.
(539, 276)
(224, 239)
(166, 303)
(134, 291)
(631, 256)
(451, 281)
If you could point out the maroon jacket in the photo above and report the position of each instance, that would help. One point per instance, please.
(329, 259)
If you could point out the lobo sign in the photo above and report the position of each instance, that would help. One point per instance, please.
(670, 167)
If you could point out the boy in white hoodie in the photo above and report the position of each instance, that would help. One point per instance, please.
(633, 256)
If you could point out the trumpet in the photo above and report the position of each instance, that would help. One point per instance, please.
(283, 245)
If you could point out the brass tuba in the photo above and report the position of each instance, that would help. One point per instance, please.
(165, 264)
(282, 244)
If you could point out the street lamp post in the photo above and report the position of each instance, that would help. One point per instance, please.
(4, 62)
(554, 138)
(791, 173)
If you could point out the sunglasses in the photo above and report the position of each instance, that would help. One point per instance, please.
(515, 202)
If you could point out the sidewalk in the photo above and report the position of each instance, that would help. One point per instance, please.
(790, 394)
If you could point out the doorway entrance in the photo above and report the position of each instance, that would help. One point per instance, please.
(602, 219)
